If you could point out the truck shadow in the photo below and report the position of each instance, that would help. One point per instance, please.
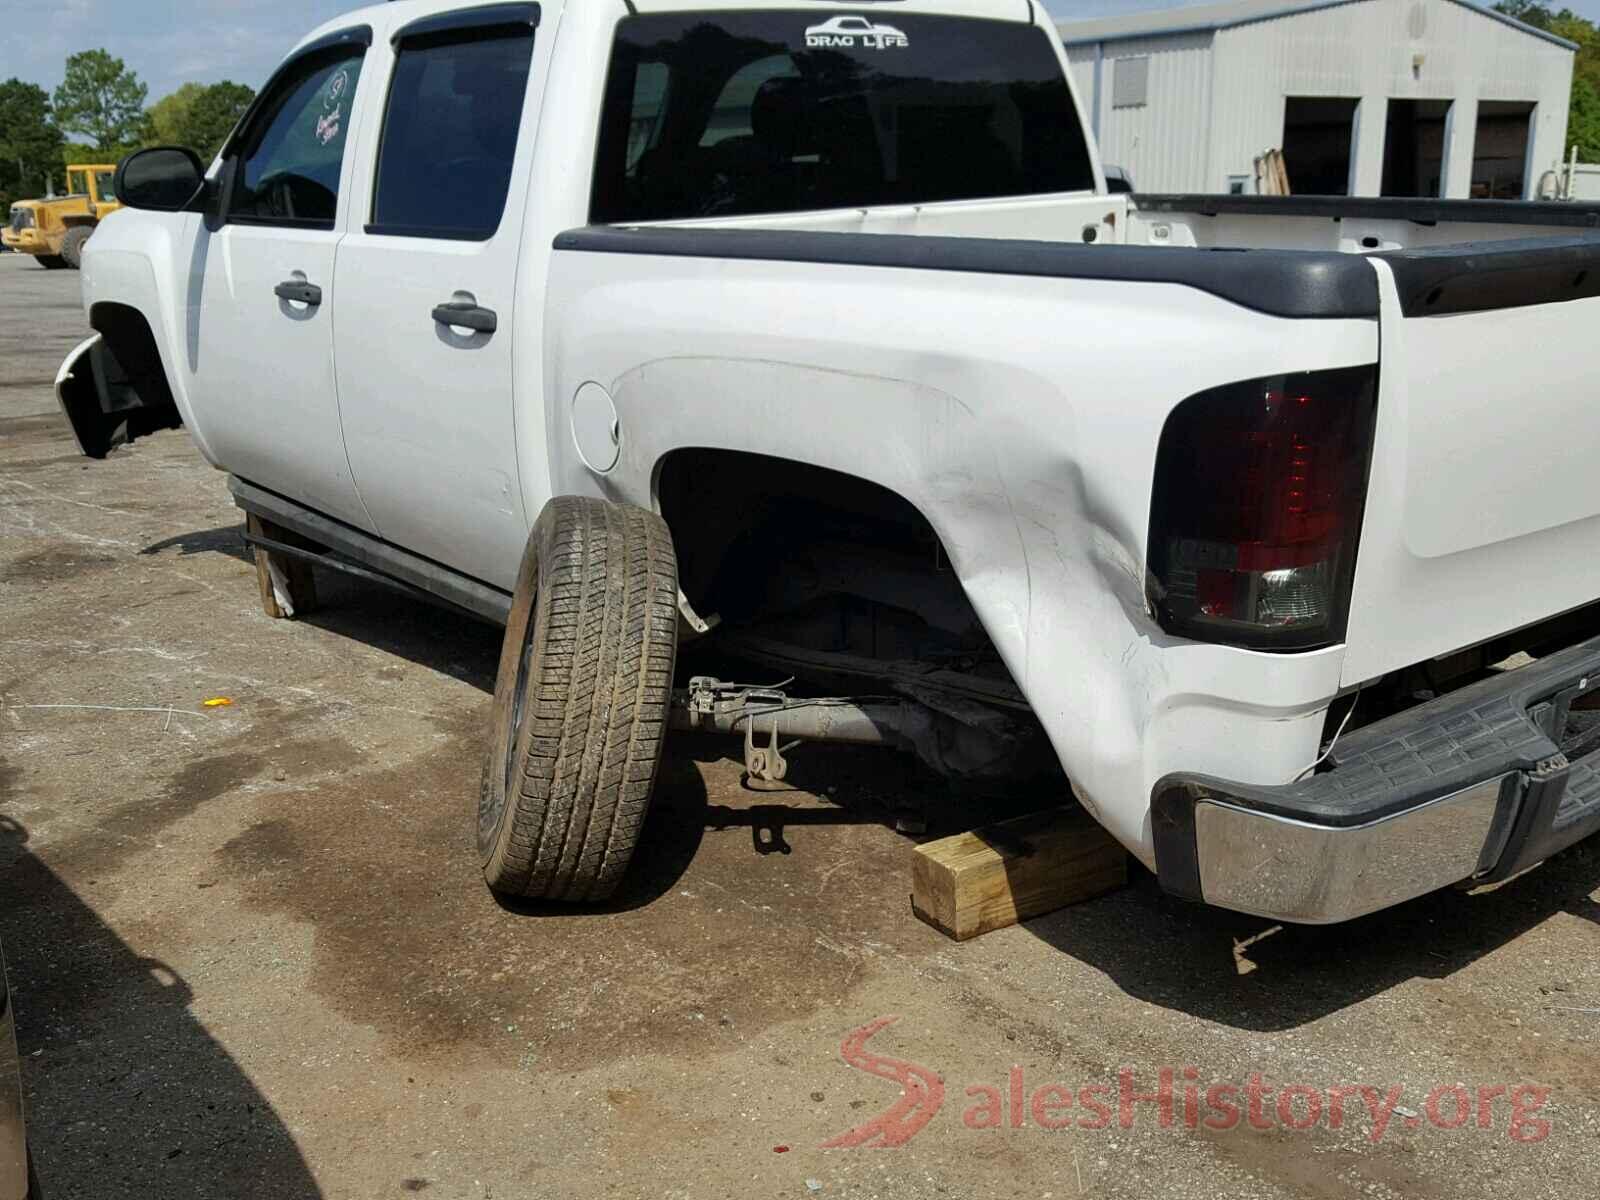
(126, 1092)
(228, 540)
(439, 639)
(1258, 975)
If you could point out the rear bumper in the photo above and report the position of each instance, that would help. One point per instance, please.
(1476, 786)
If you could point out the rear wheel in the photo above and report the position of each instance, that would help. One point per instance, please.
(51, 262)
(580, 705)
(72, 245)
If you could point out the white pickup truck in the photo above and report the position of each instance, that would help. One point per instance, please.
(815, 336)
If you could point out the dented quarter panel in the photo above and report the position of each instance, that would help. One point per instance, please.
(1020, 417)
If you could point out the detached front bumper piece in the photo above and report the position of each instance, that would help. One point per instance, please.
(1476, 786)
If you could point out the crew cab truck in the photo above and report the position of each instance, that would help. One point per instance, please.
(1275, 523)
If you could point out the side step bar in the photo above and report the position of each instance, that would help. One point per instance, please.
(356, 553)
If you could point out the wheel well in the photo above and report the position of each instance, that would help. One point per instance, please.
(131, 343)
(757, 535)
(119, 391)
(842, 587)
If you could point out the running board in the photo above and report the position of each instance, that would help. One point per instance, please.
(353, 552)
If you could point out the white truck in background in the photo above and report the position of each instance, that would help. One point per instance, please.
(830, 347)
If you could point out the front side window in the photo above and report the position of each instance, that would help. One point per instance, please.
(450, 134)
(723, 114)
(291, 156)
(103, 184)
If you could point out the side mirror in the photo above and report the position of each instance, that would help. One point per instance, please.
(160, 179)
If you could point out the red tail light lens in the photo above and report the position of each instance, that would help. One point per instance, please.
(1256, 512)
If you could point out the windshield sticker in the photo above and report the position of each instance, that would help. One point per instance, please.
(334, 92)
(846, 33)
(331, 122)
(328, 125)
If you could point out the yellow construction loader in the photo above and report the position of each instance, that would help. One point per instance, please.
(54, 230)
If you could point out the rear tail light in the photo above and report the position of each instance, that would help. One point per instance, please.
(1256, 512)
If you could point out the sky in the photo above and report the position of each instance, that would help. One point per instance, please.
(168, 42)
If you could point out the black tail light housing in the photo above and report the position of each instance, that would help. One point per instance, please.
(1256, 511)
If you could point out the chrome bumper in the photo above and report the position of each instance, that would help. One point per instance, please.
(1475, 786)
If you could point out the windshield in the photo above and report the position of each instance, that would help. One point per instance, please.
(757, 112)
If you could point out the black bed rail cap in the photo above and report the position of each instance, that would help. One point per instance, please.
(1479, 276)
(1280, 283)
(1419, 211)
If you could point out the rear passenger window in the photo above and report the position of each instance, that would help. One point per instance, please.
(450, 133)
(289, 161)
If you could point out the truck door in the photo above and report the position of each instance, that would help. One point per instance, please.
(427, 290)
(261, 289)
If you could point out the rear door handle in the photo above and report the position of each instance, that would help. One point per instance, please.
(299, 290)
(466, 315)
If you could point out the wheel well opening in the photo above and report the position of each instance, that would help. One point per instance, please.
(128, 339)
(119, 391)
(843, 588)
(756, 535)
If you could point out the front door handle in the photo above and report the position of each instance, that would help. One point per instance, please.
(299, 290)
(466, 315)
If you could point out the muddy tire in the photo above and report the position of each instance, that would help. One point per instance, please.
(580, 704)
(286, 584)
(51, 262)
(72, 246)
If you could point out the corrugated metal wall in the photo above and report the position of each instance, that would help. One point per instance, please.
(1370, 51)
(1216, 101)
(1163, 142)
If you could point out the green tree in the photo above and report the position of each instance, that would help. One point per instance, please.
(103, 101)
(199, 116)
(30, 145)
(1583, 120)
(214, 115)
(1583, 112)
(169, 116)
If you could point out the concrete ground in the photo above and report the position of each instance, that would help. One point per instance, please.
(252, 955)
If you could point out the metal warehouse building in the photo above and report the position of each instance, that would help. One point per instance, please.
(1363, 97)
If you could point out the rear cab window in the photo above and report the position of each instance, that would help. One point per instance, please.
(745, 112)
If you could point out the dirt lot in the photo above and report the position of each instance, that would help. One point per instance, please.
(252, 956)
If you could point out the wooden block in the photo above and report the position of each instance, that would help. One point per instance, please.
(1004, 873)
(292, 576)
